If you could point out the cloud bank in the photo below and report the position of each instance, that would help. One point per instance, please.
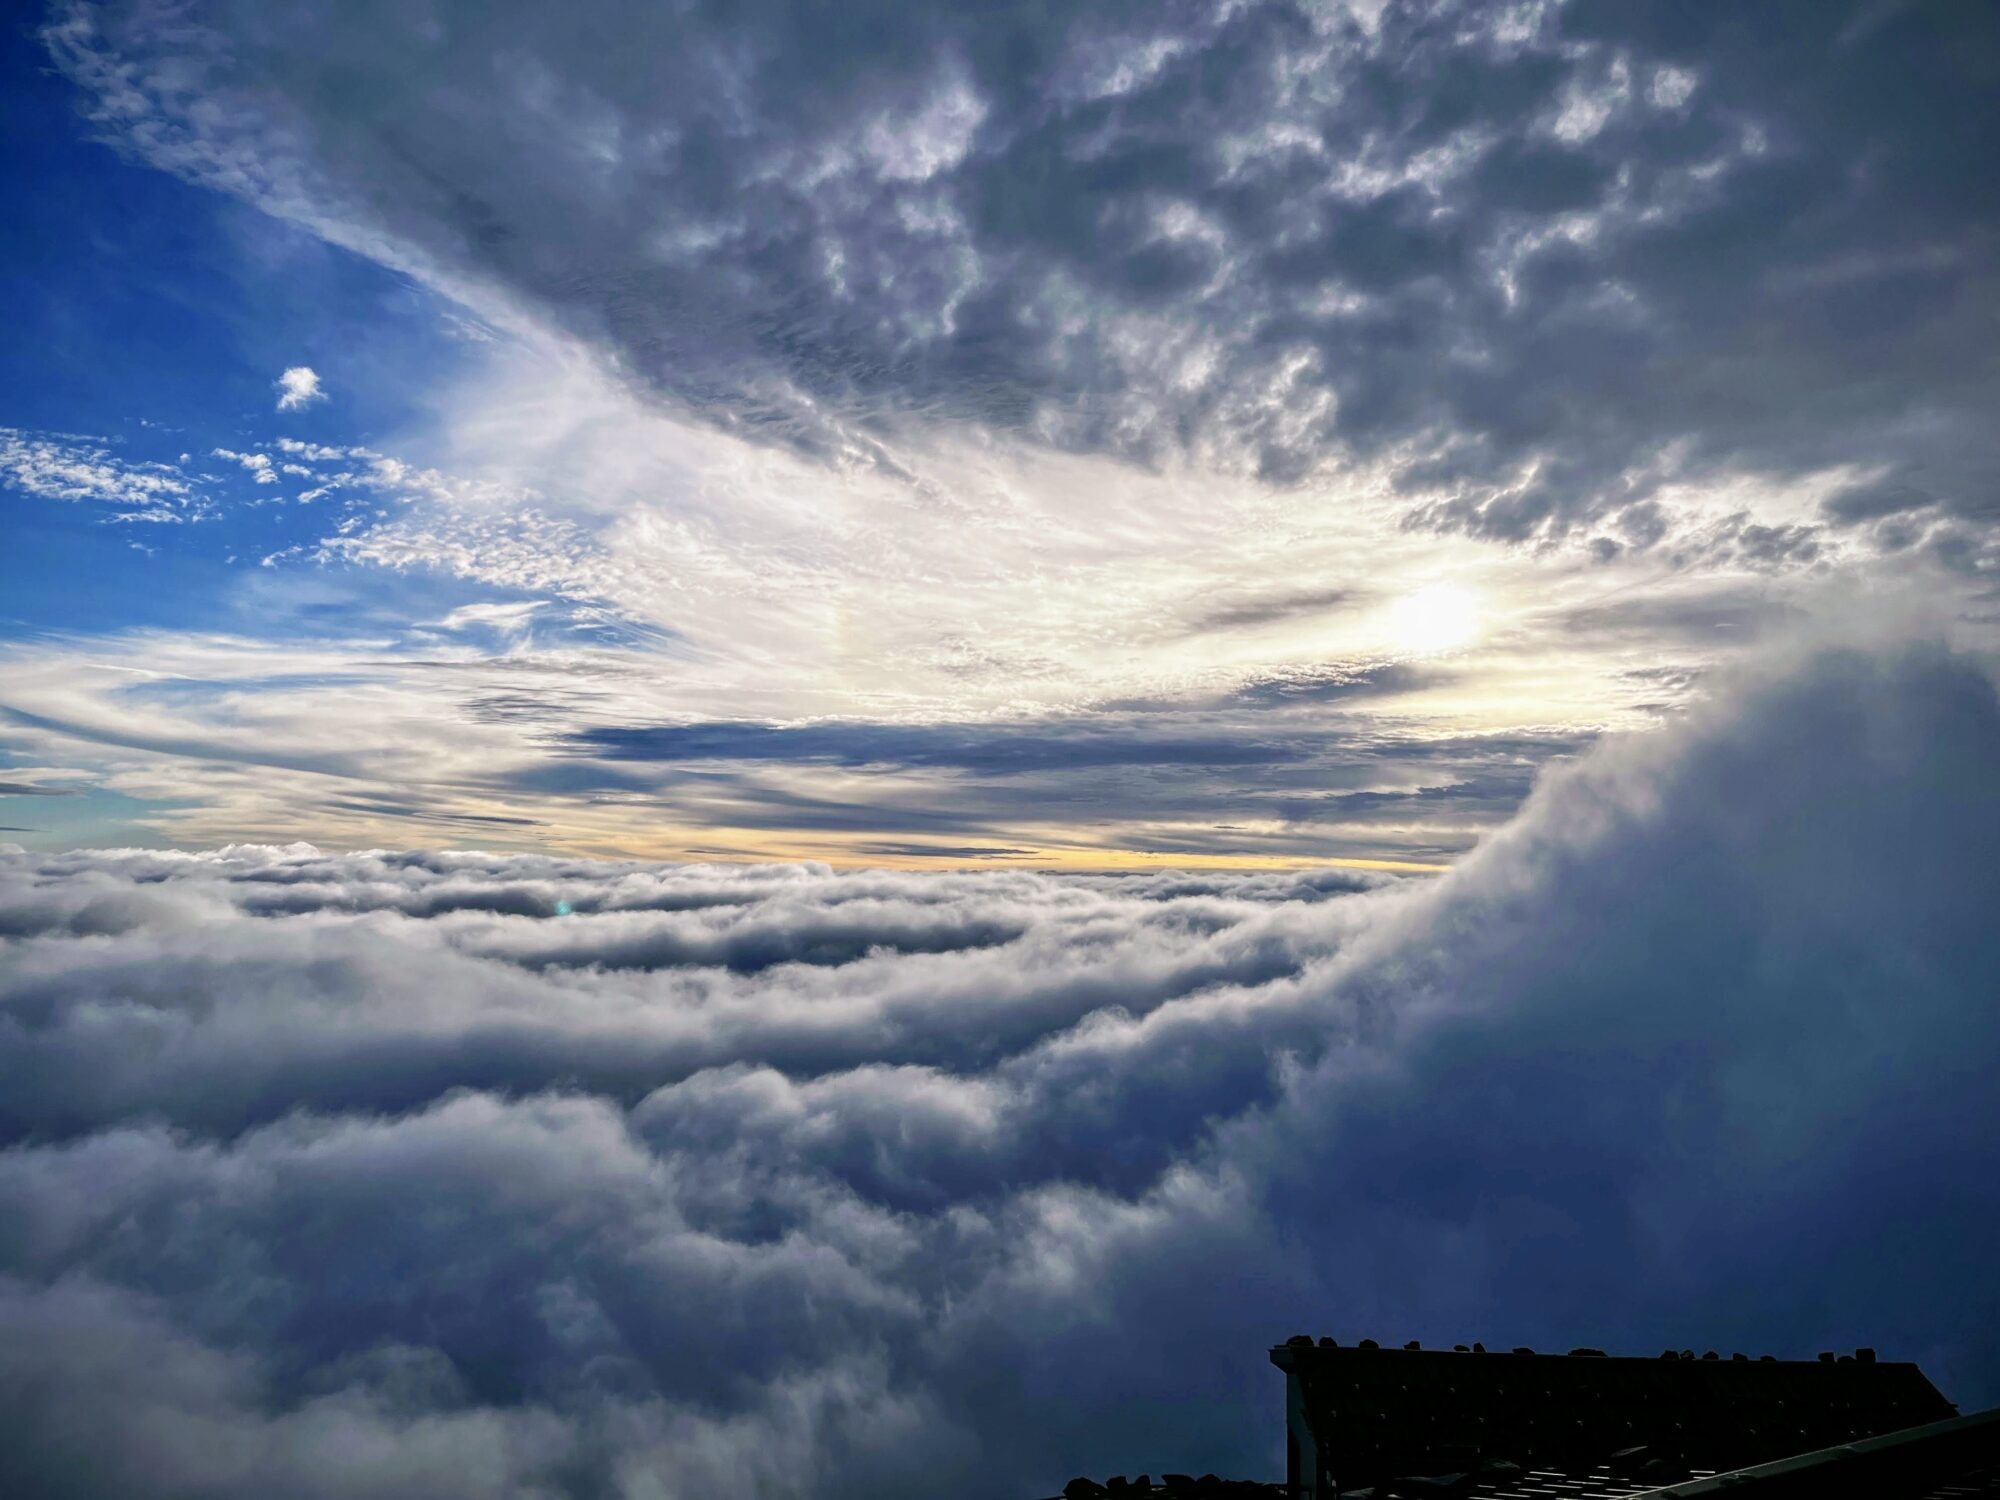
(485, 1175)
(1541, 260)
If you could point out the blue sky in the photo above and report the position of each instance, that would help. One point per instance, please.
(152, 316)
(1175, 436)
(151, 320)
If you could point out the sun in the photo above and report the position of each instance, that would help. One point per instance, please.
(1440, 617)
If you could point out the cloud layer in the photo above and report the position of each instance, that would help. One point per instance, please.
(1539, 259)
(938, 431)
(460, 1174)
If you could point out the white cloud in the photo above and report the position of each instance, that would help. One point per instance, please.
(517, 1175)
(916, 232)
(319, 452)
(1672, 87)
(61, 466)
(299, 387)
(257, 465)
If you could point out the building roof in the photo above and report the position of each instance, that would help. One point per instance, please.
(1172, 1487)
(1956, 1457)
(1583, 1424)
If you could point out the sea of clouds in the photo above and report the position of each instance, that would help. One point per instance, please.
(461, 1174)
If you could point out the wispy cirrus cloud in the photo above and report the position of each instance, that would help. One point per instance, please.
(57, 466)
(510, 717)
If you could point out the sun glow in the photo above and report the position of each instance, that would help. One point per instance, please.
(1440, 617)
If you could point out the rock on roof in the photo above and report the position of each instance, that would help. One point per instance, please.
(1172, 1487)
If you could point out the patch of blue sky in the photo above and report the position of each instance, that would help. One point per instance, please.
(151, 319)
(69, 814)
(96, 817)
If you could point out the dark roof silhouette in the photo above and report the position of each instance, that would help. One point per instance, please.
(1582, 1424)
(1937, 1461)
(1368, 1423)
(1172, 1487)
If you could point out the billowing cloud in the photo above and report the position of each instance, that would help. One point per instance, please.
(299, 387)
(1542, 262)
(483, 1174)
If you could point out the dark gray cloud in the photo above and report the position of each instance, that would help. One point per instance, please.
(1251, 610)
(1541, 258)
(382, 807)
(1727, 613)
(986, 749)
(33, 789)
(1488, 799)
(939, 851)
(1323, 684)
(1248, 771)
(458, 1174)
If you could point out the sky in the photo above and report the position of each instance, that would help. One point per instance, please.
(1152, 434)
(815, 752)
